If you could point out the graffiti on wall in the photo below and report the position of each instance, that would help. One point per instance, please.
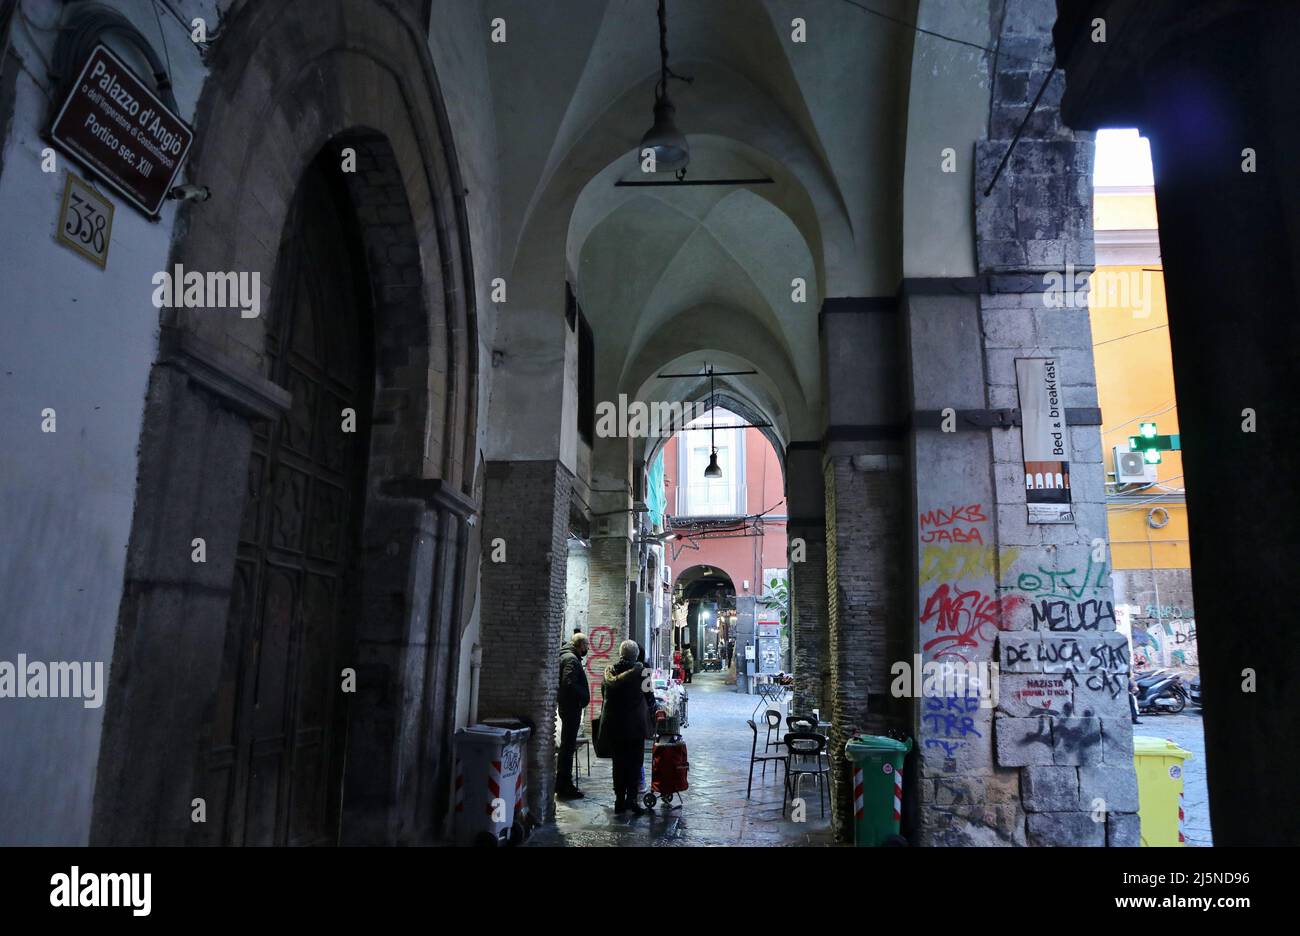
(953, 524)
(1065, 583)
(1045, 695)
(949, 722)
(1165, 643)
(963, 560)
(1069, 616)
(960, 614)
(600, 650)
(1083, 662)
(1165, 611)
(1070, 600)
(964, 621)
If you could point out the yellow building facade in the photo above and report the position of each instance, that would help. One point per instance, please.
(1135, 385)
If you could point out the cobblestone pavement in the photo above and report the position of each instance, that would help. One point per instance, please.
(1187, 731)
(715, 810)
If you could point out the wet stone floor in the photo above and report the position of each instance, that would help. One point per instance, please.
(714, 811)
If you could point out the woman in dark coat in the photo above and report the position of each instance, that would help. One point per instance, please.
(625, 715)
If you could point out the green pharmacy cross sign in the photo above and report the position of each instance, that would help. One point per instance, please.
(1150, 444)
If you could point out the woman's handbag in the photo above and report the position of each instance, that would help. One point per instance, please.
(600, 740)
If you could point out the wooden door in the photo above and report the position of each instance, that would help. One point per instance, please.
(279, 727)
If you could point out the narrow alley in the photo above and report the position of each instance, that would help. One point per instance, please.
(715, 809)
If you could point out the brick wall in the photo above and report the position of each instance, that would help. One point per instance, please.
(811, 621)
(866, 603)
(526, 505)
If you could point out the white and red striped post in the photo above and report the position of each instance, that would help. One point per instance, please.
(521, 797)
(494, 785)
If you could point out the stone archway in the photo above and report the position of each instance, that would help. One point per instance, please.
(292, 84)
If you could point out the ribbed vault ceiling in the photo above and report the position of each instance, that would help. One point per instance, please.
(700, 275)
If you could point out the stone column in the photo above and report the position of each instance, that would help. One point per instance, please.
(610, 569)
(1048, 760)
(866, 603)
(524, 570)
(811, 619)
(865, 486)
(607, 602)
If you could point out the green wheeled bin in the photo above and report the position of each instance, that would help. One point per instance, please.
(877, 788)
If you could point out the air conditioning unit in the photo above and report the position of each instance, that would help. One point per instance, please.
(1132, 468)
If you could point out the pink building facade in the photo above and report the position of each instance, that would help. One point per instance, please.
(729, 531)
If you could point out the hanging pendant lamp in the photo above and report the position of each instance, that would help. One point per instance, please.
(713, 471)
(671, 151)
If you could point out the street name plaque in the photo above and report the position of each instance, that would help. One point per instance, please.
(114, 124)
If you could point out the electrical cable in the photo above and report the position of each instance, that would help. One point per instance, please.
(1131, 334)
(86, 26)
(163, 36)
(1172, 405)
(938, 35)
(1142, 504)
(176, 16)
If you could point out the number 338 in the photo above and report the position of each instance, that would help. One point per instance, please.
(85, 223)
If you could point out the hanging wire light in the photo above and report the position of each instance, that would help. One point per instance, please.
(713, 471)
(663, 139)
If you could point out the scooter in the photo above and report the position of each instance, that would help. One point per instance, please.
(1161, 692)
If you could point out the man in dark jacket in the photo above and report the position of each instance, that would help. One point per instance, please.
(626, 715)
(574, 697)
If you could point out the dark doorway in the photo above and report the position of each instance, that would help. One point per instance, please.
(279, 728)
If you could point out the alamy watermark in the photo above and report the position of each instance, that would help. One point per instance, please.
(637, 420)
(56, 680)
(181, 289)
(1100, 290)
(945, 679)
(79, 888)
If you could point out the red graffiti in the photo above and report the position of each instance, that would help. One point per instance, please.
(600, 645)
(944, 524)
(971, 513)
(955, 535)
(961, 619)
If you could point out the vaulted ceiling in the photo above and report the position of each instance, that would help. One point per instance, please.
(689, 276)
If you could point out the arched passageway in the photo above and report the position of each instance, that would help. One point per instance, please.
(858, 262)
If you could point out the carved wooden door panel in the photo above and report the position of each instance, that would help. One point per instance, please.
(278, 732)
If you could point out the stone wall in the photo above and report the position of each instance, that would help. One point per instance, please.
(1038, 748)
(1062, 714)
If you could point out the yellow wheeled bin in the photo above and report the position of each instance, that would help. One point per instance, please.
(1159, 765)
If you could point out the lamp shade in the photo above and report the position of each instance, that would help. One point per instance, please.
(669, 145)
(713, 471)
